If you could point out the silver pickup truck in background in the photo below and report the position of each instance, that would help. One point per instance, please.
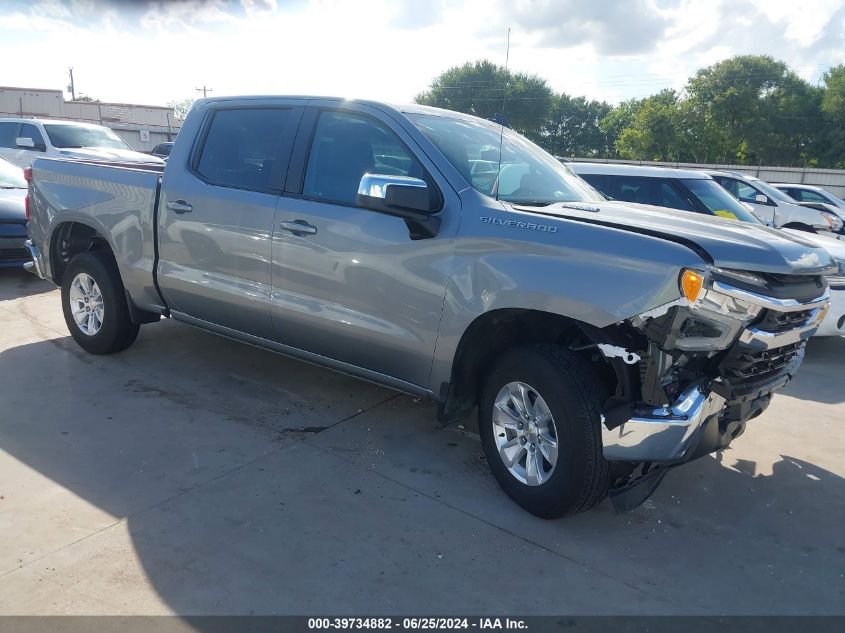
(446, 257)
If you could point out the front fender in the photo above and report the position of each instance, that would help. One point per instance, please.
(590, 273)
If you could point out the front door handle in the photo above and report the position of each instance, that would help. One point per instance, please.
(180, 206)
(299, 227)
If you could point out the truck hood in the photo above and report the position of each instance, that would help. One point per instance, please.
(12, 207)
(726, 243)
(109, 154)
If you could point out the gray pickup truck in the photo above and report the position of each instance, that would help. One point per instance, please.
(446, 257)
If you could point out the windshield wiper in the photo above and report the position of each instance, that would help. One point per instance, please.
(529, 202)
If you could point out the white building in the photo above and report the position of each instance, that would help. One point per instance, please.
(142, 126)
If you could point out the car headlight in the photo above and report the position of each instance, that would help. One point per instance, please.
(833, 220)
(710, 319)
(837, 280)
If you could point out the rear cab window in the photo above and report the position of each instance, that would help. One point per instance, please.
(247, 148)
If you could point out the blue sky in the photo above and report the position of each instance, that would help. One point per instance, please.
(156, 52)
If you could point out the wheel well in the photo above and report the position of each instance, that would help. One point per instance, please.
(72, 238)
(498, 330)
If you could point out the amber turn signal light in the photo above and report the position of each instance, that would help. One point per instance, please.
(691, 284)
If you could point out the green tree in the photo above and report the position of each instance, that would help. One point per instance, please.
(653, 132)
(478, 88)
(759, 110)
(619, 118)
(572, 128)
(832, 147)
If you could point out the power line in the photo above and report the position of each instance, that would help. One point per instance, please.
(204, 90)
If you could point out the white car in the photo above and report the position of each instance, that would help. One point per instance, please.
(774, 207)
(21, 140)
(834, 321)
(811, 193)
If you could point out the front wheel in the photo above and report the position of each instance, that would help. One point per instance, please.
(94, 304)
(539, 421)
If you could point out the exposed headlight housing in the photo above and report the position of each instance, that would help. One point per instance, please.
(710, 320)
(833, 220)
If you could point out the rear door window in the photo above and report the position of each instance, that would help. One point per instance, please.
(805, 195)
(247, 148)
(602, 182)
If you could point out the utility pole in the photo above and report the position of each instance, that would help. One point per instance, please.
(204, 90)
(72, 87)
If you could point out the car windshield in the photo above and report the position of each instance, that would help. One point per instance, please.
(718, 201)
(528, 175)
(11, 176)
(772, 192)
(66, 135)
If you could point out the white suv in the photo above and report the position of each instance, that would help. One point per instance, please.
(775, 207)
(21, 140)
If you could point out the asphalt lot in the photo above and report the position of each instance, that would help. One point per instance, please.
(195, 475)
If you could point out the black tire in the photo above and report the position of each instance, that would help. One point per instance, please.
(574, 396)
(117, 331)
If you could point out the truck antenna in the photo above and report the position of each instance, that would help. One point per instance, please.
(502, 117)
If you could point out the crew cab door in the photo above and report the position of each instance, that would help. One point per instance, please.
(217, 209)
(349, 283)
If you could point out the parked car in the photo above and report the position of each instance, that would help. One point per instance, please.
(683, 189)
(602, 346)
(810, 193)
(13, 252)
(774, 206)
(693, 190)
(21, 140)
(162, 150)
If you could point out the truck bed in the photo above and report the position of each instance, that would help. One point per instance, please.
(119, 200)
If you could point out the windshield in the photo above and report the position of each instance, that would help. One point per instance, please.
(718, 201)
(65, 136)
(11, 176)
(528, 174)
(770, 191)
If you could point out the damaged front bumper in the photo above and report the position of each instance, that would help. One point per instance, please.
(762, 359)
(664, 433)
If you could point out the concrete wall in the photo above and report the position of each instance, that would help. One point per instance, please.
(831, 179)
(129, 121)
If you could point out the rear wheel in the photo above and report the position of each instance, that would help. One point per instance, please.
(94, 304)
(539, 421)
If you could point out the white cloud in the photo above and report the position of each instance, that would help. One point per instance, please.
(158, 51)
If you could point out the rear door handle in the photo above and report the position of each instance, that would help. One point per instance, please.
(180, 206)
(299, 227)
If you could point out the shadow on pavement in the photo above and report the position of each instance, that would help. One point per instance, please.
(228, 517)
(16, 283)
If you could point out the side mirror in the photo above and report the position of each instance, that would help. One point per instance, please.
(24, 142)
(403, 197)
(761, 199)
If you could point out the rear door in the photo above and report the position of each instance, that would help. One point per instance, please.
(217, 211)
(356, 288)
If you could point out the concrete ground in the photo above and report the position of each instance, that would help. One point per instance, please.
(195, 475)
